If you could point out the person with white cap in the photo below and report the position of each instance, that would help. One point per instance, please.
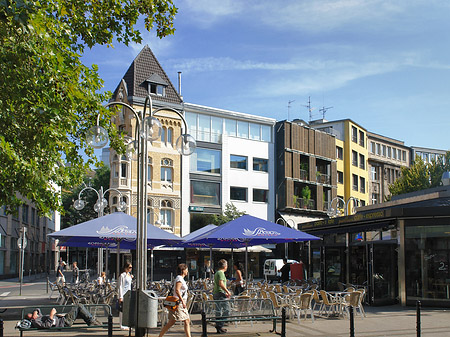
(59, 273)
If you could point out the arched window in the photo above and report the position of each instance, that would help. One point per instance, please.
(115, 166)
(150, 170)
(166, 214)
(114, 200)
(169, 137)
(124, 166)
(150, 211)
(163, 135)
(166, 170)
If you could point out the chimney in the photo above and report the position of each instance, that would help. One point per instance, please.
(179, 84)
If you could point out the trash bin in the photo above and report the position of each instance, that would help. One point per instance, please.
(148, 309)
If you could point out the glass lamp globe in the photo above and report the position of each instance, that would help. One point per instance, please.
(122, 206)
(104, 202)
(97, 137)
(151, 128)
(186, 145)
(79, 204)
(98, 206)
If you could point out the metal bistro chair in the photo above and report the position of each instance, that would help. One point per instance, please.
(329, 302)
(278, 304)
(353, 300)
(303, 303)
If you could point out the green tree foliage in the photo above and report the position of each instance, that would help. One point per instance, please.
(230, 213)
(48, 98)
(73, 217)
(420, 175)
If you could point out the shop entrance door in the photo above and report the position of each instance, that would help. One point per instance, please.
(382, 270)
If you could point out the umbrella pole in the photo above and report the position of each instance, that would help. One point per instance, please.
(151, 264)
(106, 260)
(211, 262)
(118, 259)
(246, 265)
(232, 262)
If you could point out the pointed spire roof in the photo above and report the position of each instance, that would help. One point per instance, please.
(146, 69)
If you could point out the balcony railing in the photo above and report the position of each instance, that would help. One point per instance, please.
(304, 175)
(323, 178)
(305, 203)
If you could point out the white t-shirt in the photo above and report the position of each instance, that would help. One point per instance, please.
(184, 287)
(124, 284)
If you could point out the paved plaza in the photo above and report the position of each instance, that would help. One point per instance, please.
(380, 321)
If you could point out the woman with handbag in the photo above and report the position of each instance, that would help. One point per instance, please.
(181, 312)
(125, 280)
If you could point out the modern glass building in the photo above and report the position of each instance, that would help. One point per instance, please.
(398, 250)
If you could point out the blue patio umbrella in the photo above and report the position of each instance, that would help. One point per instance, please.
(112, 228)
(115, 230)
(247, 231)
(195, 234)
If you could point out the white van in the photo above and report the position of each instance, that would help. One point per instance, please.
(272, 268)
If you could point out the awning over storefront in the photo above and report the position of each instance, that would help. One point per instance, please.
(296, 219)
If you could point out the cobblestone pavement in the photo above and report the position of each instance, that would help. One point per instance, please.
(380, 321)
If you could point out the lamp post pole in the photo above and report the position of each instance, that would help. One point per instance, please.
(99, 207)
(148, 128)
(22, 243)
(285, 224)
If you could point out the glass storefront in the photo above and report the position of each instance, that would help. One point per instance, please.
(427, 255)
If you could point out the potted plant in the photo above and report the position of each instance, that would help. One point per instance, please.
(306, 195)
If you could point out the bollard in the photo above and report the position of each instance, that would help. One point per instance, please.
(204, 332)
(352, 322)
(29, 274)
(418, 325)
(1, 327)
(109, 325)
(283, 322)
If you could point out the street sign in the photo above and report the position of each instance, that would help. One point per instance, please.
(19, 243)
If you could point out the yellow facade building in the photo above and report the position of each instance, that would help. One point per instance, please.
(352, 160)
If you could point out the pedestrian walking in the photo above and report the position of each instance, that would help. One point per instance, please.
(221, 293)
(181, 313)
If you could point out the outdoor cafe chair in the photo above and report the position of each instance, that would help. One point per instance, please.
(329, 302)
(317, 300)
(278, 303)
(303, 303)
(354, 300)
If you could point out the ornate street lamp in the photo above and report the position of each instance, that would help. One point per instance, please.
(99, 207)
(285, 224)
(333, 212)
(148, 128)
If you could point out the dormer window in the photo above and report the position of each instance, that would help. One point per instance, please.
(157, 89)
(156, 85)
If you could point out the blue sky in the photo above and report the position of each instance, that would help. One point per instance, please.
(383, 64)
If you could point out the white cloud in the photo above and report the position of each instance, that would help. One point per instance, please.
(207, 12)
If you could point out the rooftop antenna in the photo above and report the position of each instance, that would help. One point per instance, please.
(309, 108)
(289, 107)
(324, 110)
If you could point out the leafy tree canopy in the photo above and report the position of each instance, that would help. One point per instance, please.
(420, 175)
(230, 213)
(73, 217)
(48, 98)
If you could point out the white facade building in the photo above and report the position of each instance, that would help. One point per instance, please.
(233, 163)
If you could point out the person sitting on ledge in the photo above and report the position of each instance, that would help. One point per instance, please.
(40, 321)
